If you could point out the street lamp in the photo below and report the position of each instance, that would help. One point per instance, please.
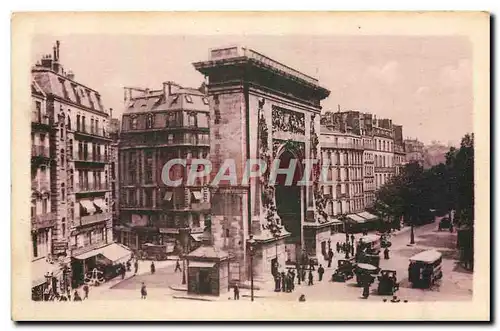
(185, 251)
(251, 243)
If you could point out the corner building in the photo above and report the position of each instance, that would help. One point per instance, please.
(79, 174)
(263, 109)
(158, 126)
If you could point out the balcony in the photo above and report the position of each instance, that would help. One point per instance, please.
(92, 158)
(43, 221)
(40, 122)
(75, 251)
(92, 132)
(91, 219)
(385, 169)
(40, 151)
(91, 187)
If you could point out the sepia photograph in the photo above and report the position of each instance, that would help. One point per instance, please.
(178, 166)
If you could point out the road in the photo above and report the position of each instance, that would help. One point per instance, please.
(455, 285)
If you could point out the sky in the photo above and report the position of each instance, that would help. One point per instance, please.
(423, 83)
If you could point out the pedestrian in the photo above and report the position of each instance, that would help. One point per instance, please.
(352, 238)
(128, 265)
(311, 264)
(85, 292)
(277, 282)
(76, 296)
(338, 247)
(292, 279)
(343, 247)
(366, 290)
(123, 271)
(236, 291)
(321, 271)
(303, 274)
(136, 266)
(299, 275)
(153, 268)
(310, 278)
(283, 282)
(386, 253)
(352, 249)
(144, 292)
(177, 266)
(330, 257)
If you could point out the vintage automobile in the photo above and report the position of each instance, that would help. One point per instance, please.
(387, 282)
(344, 271)
(156, 252)
(444, 223)
(365, 272)
(425, 269)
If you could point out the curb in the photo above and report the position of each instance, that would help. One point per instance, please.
(192, 298)
(178, 288)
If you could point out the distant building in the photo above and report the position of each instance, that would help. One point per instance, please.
(414, 150)
(399, 150)
(158, 126)
(114, 134)
(383, 139)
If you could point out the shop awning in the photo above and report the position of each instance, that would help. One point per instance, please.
(197, 236)
(197, 264)
(88, 206)
(100, 203)
(369, 217)
(355, 218)
(168, 196)
(39, 269)
(334, 220)
(116, 253)
(197, 195)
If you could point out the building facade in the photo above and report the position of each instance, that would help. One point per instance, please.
(158, 126)
(414, 150)
(77, 145)
(383, 140)
(399, 150)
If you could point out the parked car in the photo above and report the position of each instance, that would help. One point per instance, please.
(444, 223)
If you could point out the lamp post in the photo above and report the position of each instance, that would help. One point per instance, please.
(185, 251)
(251, 243)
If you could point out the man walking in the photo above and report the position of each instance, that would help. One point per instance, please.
(310, 278)
(321, 271)
(85, 292)
(236, 291)
(177, 266)
(153, 268)
(338, 247)
(136, 266)
(144, 292)
(352, 239)
(330, 257)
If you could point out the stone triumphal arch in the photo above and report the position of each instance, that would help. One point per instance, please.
(262, 109)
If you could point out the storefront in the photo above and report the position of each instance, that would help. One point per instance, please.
(46, 276)
(100, 264)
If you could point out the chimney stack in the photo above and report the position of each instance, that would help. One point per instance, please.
(57, 50)
(71, 75)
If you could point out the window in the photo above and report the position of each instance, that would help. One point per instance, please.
(61, 132)
(90, 100)
(84, 129)
(44, 205)
(62, 157)
(205, 100)
(91, 125)
(75, 92)
(38, 111)
(133, 123)
(188, 98)
(148, 178)
(149, 121)
(77, 122)
(227, 233)
(63, 87)
(192, 120)
(63, 192)
(216, 110)
(63, 230)
(69, 123)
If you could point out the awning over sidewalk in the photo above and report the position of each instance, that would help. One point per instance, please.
(88, 206)
(199, 264)
(197, 236)
(369, 217)
(39, 269)
(334, 220)
(356, 219)
(114, 252)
